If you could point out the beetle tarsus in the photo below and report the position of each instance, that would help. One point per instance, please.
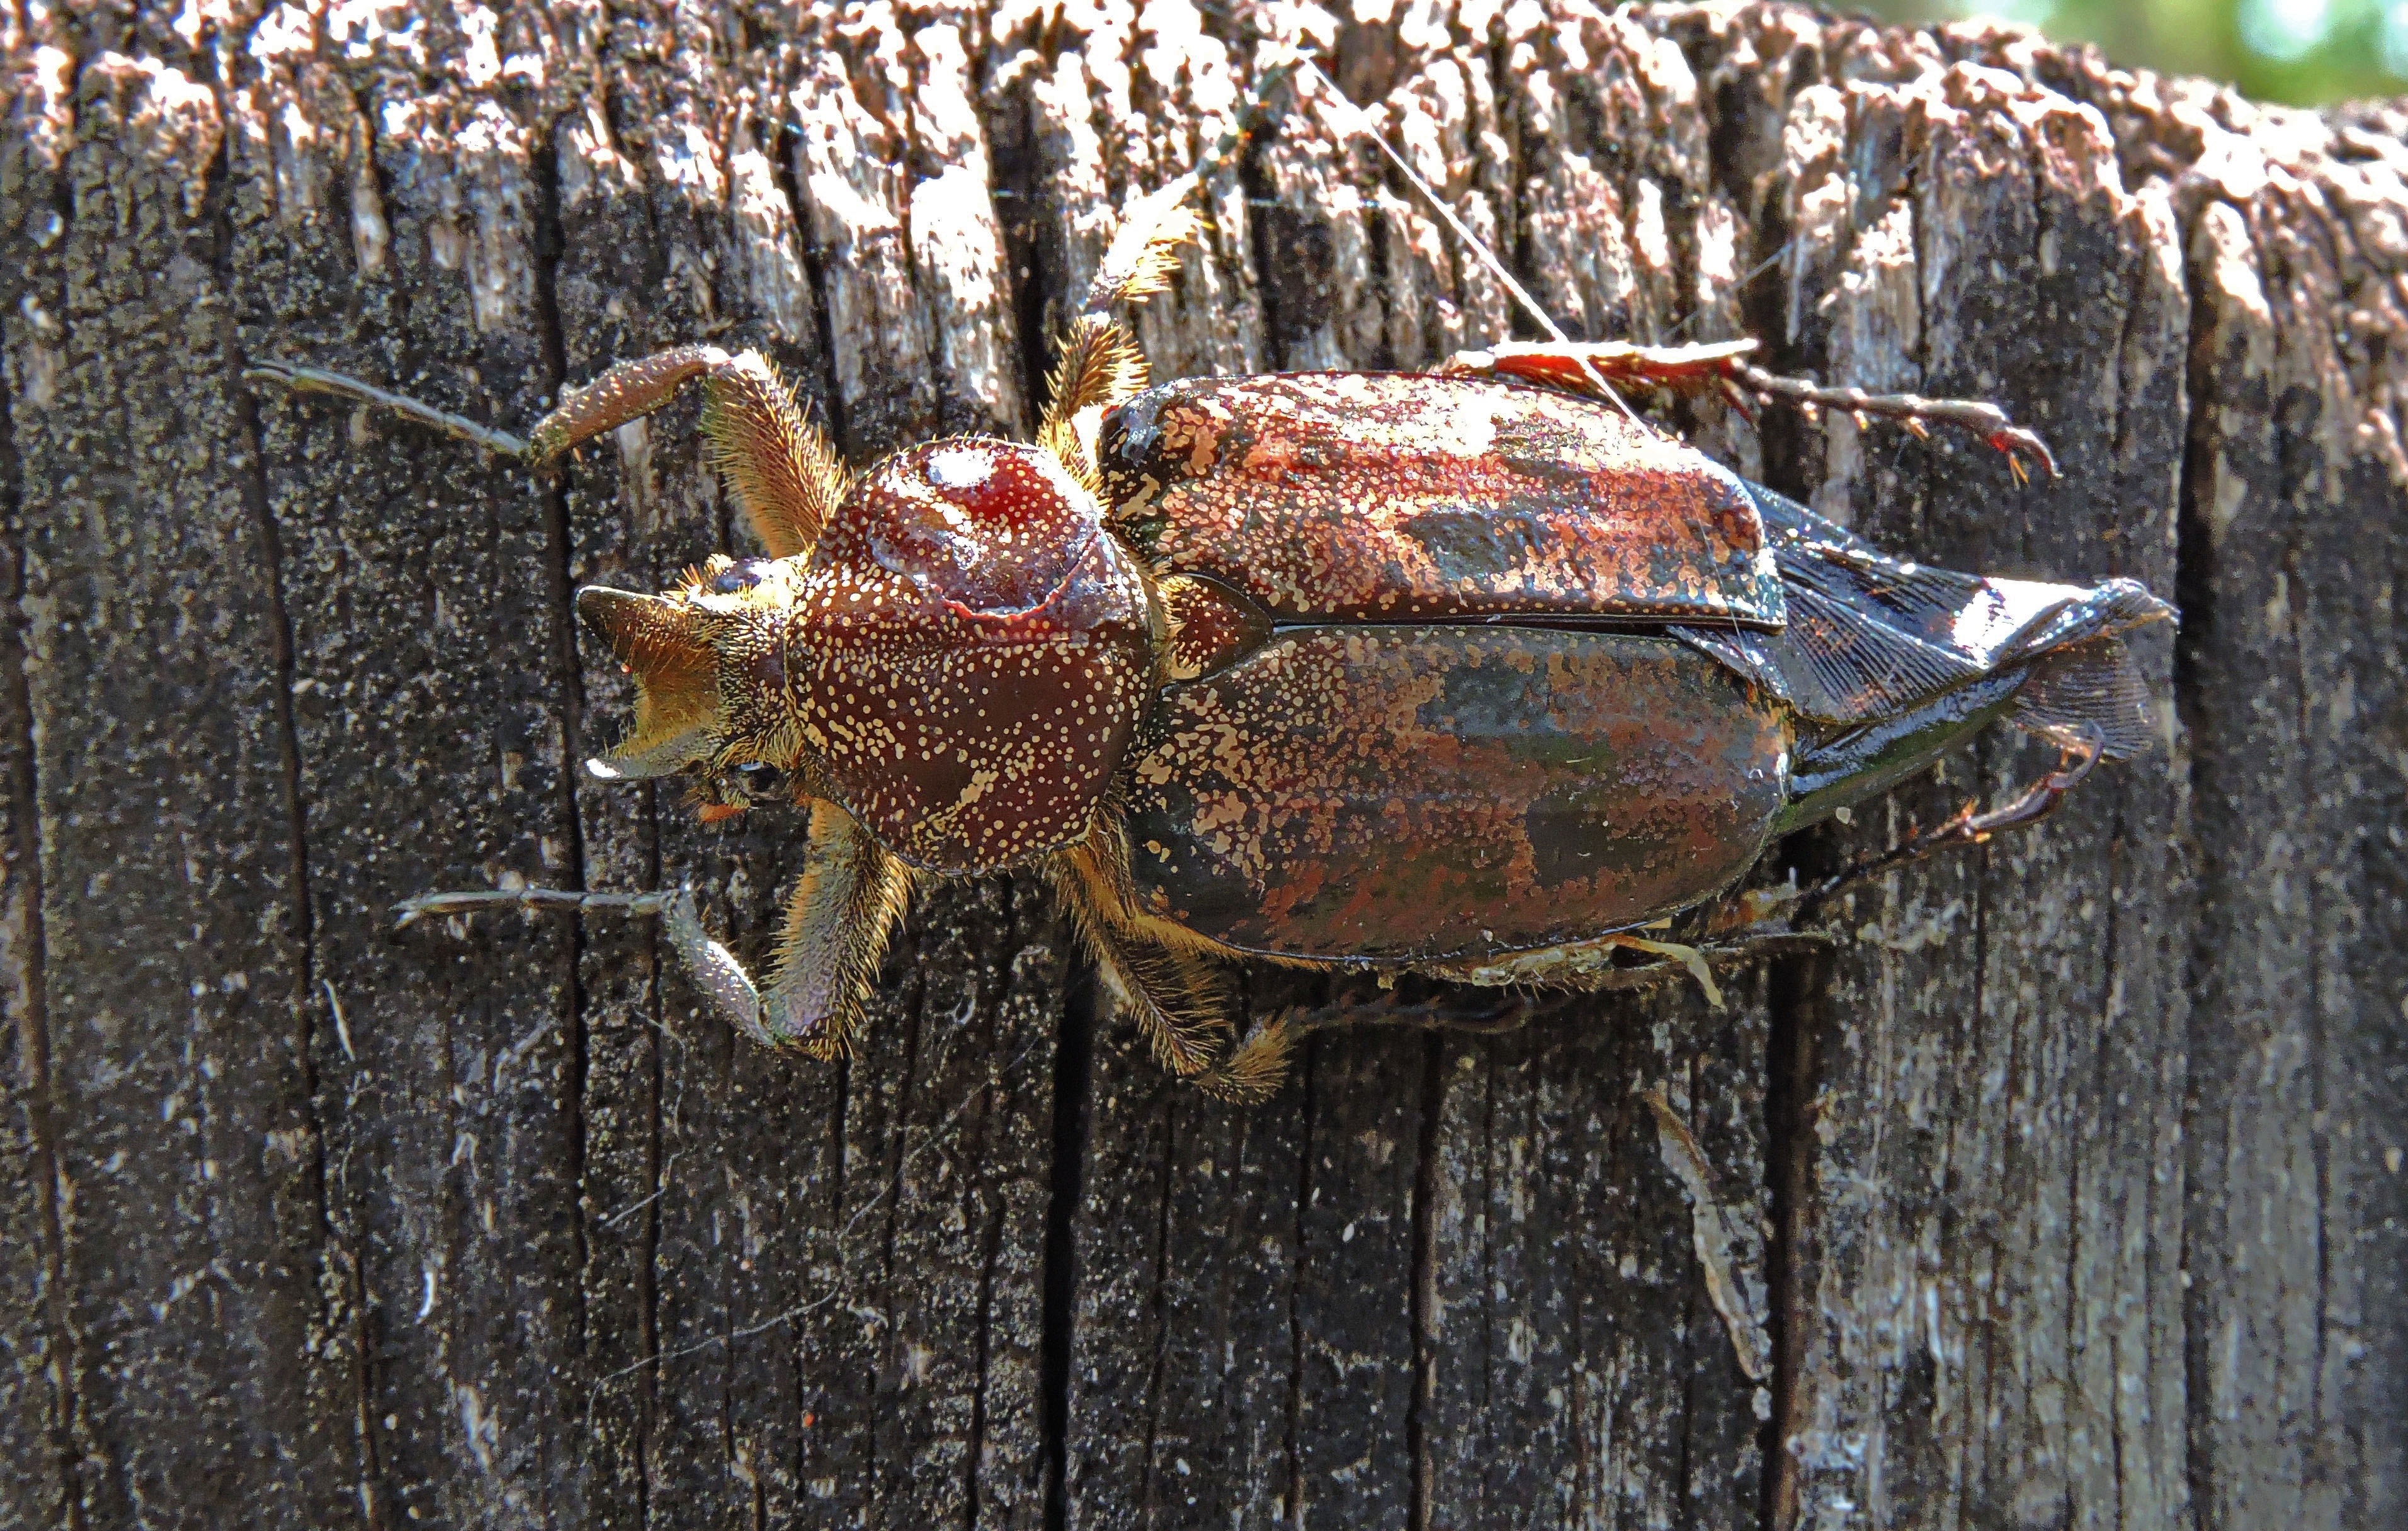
(472, 900)
(316, 380)
(1619, 363)
(1252, 1073)
(2081, 754)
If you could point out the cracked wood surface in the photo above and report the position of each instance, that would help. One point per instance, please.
(2067, 1188)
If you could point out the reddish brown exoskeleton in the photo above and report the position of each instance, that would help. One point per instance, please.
(1467, 674)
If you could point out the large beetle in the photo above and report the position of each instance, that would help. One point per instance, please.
(1466, 674)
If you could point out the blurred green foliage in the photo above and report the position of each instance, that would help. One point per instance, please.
(2307, 51)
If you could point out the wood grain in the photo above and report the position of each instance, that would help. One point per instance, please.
(2066, 1189)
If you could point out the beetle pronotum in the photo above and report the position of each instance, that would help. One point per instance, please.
(1471, 673)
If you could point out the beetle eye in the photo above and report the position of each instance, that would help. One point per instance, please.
(737, 577)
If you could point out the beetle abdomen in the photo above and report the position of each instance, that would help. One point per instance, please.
(1414, 793)
(1344, 496)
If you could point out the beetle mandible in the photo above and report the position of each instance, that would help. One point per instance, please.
(1469, 673)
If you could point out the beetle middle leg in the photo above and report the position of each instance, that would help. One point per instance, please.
(1164, 977)
(786, 475)
(1100, 364)
(1176, 1000)
(1579, 367)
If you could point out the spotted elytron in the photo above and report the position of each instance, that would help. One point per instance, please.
(1469, 674)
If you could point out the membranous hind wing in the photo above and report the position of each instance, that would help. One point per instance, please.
(1884, 659)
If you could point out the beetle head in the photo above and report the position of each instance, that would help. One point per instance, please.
(959, 662)
(709, 662)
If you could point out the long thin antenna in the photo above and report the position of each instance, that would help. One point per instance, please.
(1348, 120)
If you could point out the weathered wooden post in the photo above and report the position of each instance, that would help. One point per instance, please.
(2064, 1190)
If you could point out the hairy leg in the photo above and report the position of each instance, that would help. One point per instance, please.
(1164, 976)
(838, 921)
(784, 473)
(713, 970)
(1177, 1001)
(1099, 363)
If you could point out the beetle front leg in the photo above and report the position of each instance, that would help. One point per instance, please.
(785, 475)
(713, 970)
(839, 920)
(1682, 369)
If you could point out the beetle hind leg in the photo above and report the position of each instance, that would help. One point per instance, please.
(1618, 365)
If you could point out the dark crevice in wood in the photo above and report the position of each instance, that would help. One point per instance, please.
(2195, 581)
(991, 1251)
(333, 1255)
(371, 1484)
(1262, 195)
(2303, 699)
(2120, 444)
(550, 242)
(2103, 1089)
(1011, 124)
(1297, 1264)
(648, 818)
(1073, 1081)
(1375, 230)
(898, 1132)
(21, 907)
(1160, 1307)
(280, 631)
(1795, 990)
(789, 148)
(653, 1006)
(1955, 1223)
(1513, 219)
(1422, 1300)
(1763, 304)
